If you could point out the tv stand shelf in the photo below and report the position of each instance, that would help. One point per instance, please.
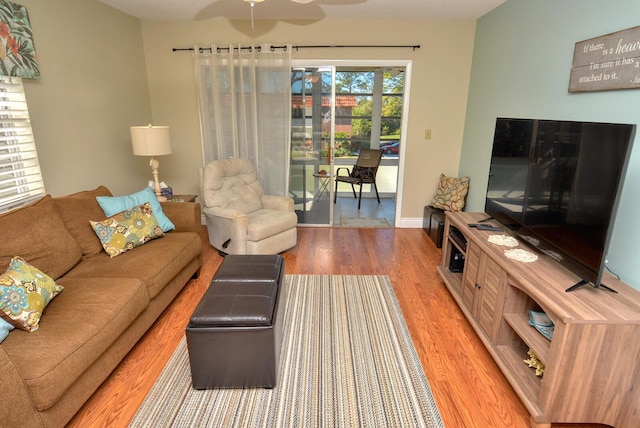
(592, 363)
(536, 342)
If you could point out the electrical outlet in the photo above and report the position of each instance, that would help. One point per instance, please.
(427, 134)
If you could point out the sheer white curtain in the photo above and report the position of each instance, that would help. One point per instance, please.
(244, 93)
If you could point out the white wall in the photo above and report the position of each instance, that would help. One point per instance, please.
(441, 69)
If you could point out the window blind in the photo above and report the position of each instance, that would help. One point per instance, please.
(20, 176)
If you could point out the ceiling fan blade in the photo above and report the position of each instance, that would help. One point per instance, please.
(302, 1)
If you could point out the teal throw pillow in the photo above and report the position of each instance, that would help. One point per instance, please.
(5, 328)
(112, 205)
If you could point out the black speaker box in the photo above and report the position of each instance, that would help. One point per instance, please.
(456, 261)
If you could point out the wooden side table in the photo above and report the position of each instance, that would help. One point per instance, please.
(183, 198)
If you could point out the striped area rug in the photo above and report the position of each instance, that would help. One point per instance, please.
(347, 361)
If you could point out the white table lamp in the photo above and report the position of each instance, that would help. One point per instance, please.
(152, 141)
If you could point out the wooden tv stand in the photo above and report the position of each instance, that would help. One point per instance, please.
(592, 372)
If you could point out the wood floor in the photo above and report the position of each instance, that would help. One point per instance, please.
(469, 389)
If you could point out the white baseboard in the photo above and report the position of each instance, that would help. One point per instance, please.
(405, 223)
(410, 223)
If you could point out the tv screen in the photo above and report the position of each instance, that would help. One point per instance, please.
(555, 185)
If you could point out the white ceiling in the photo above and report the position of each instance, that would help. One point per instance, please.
(316, 10)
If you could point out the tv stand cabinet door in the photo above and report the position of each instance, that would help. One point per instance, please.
(483, 289)
(492, 283)
(470, 277)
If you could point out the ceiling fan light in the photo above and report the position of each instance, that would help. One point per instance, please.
(253, 3)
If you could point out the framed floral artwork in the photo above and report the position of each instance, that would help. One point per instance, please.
(17, 51)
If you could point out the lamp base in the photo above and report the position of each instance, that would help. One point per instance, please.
(155, 164)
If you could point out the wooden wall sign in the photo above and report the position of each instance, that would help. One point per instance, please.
(607, 62)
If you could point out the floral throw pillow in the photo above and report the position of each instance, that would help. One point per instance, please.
(24, 293)
(451, 193)
(127, 230)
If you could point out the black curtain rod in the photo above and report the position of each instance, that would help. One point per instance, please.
(272, 47)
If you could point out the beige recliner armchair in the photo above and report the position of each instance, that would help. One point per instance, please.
(241, 219)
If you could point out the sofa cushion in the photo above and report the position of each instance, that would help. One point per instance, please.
(24, 293)
(81, 324)
(37, 233)
(127, 230)
(116, 204)
(76, 210)
(155, 263)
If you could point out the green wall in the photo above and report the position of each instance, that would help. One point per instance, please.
(521, 64)
(92, 89)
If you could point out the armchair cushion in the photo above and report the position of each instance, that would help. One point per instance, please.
(265, 223)
(240, 199)
(232, 184)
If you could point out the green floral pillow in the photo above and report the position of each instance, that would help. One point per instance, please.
(127, 230)
(451, 193)
(24, 293)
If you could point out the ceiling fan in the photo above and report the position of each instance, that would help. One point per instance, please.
(253, 3)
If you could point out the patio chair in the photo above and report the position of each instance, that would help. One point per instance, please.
(363, 172)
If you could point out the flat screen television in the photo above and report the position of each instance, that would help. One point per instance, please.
(555, 184)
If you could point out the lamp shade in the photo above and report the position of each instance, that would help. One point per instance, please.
(150, 140)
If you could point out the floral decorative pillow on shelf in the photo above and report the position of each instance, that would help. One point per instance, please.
(451, 193)
(127, 230)
(24, 293)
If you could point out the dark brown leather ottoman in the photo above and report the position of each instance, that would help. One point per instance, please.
(235, 334)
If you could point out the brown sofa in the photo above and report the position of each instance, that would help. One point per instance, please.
(106, 306)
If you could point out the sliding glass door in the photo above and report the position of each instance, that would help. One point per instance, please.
(312, 130)
(337, 110)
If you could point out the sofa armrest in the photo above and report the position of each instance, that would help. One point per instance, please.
(280, 203)
(17, 409)
(184, 215)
